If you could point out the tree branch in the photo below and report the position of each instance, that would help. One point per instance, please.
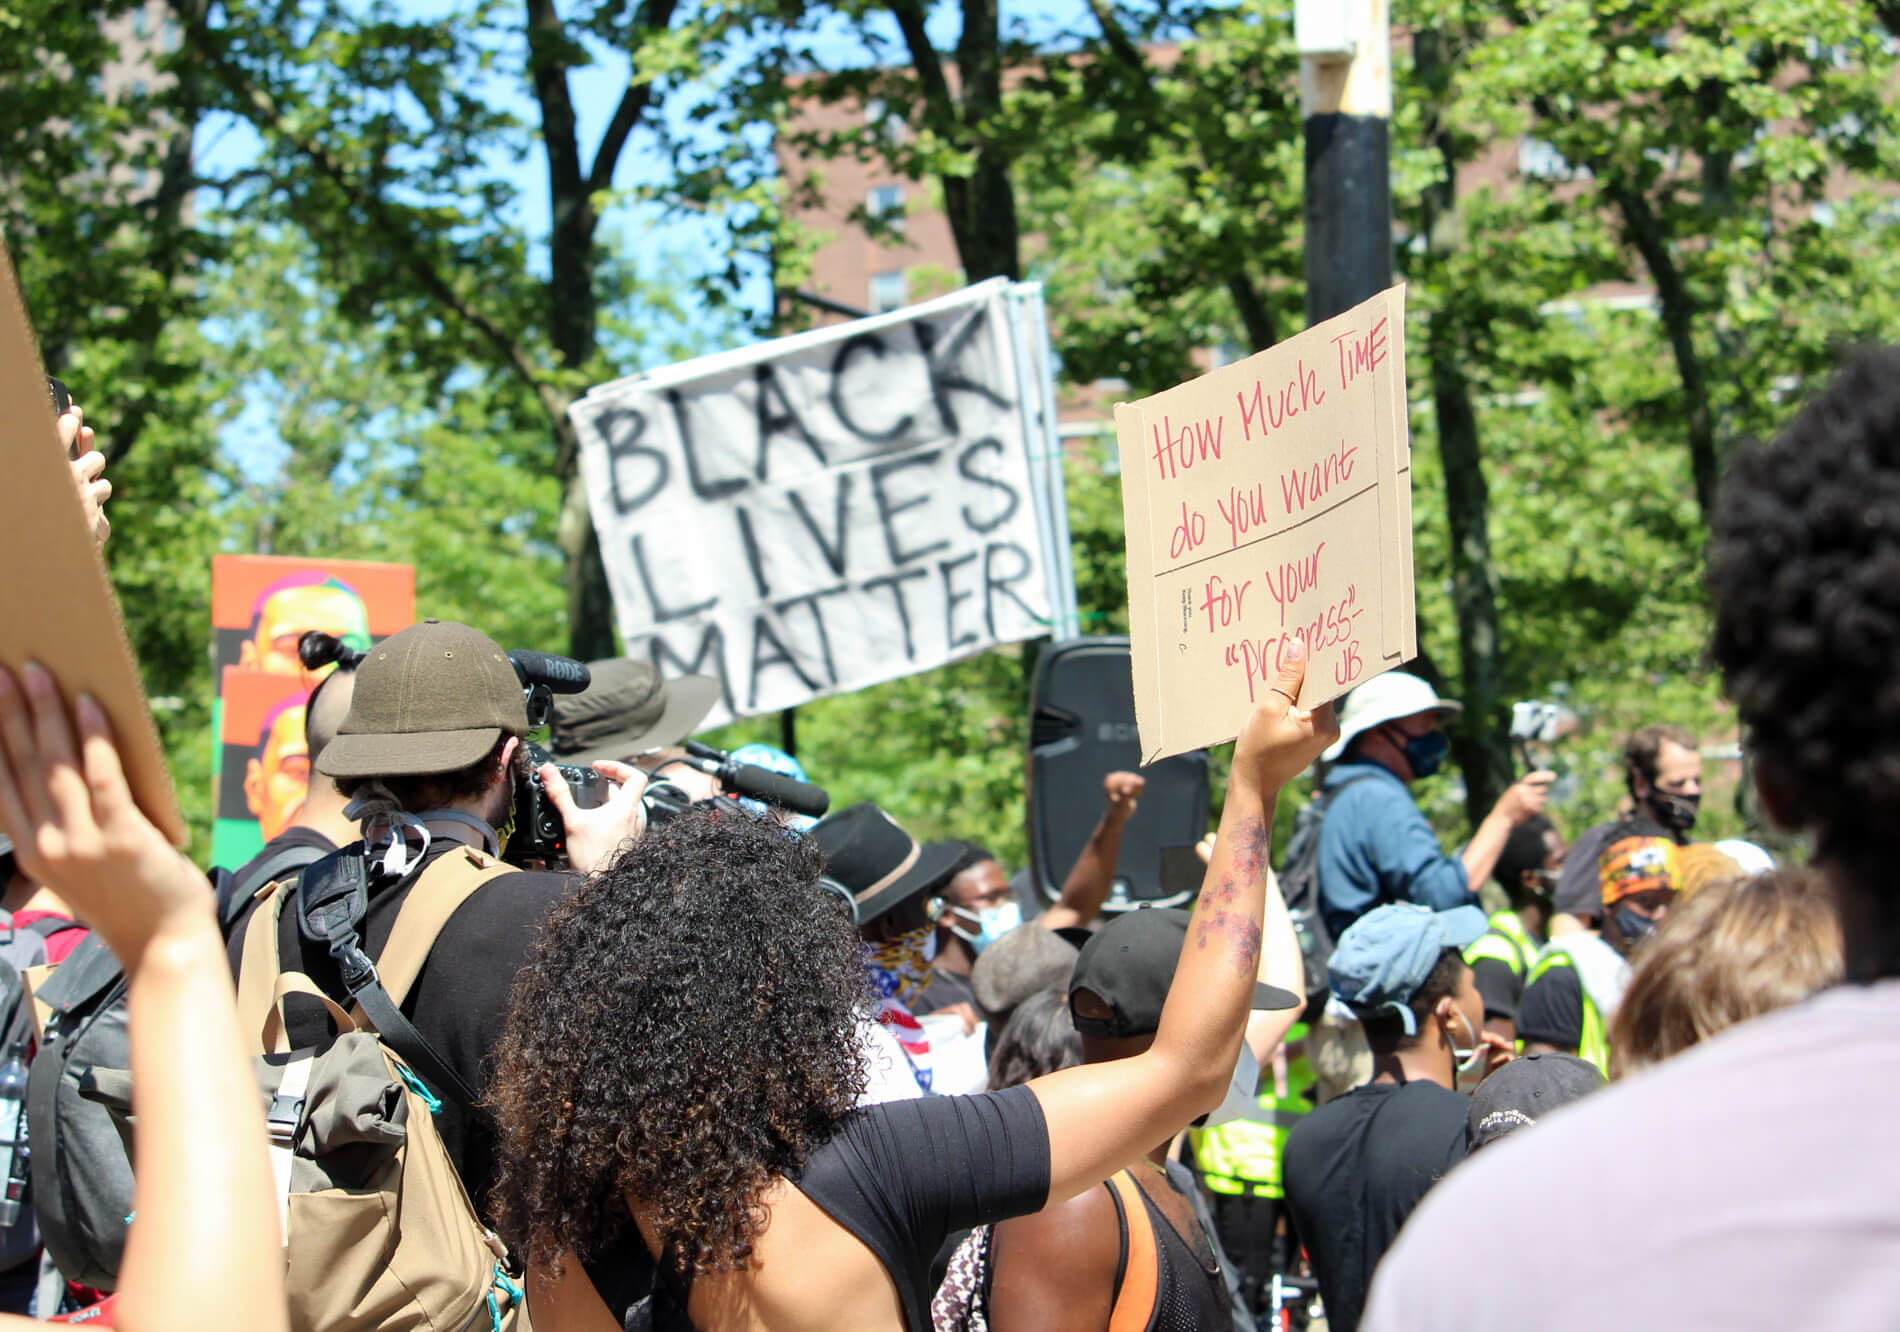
(547, 70)
(1645, 232)
(381, 218)
(634, 101)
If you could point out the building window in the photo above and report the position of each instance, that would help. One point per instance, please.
(888, 291)
(887, 124)
(1540, 160)
(885, 204)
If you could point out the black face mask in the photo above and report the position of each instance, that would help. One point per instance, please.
(1675, 812)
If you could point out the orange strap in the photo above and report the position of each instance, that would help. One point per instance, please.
(1135, 1300)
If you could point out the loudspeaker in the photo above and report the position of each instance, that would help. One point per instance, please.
(1081, 728)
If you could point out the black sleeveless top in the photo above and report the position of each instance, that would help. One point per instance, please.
(1190, 1293)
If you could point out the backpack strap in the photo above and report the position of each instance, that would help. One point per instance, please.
(438, 891)
(259, 967)
(1141, 1274)
(242, 888)
(49, 926)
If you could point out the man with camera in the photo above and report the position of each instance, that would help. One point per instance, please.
(432, 757)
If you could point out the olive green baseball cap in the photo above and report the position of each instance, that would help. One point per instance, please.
(433, 698)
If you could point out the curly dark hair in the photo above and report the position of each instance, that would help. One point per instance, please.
(685, 1032)
(1804, 573)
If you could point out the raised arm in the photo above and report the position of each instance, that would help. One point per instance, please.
(205, 1247)
(1093, 876)
(1102, 1116)
(1281, 965)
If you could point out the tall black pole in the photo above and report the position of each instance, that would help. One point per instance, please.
(1346, 103)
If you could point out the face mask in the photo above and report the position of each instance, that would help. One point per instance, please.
(1470, 1060)
(1631, 924)
(1675, 812)
(507, 829)
(993, 922)
(1425, 754)
(901, 966)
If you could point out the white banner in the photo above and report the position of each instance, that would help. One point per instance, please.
(834, 509)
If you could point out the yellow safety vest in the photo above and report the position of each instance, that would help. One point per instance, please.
(1507, 941)
(1242, 1156)
(1595, 1042)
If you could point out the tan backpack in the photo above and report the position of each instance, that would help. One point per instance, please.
(380, 1233)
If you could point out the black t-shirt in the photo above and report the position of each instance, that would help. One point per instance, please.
(238, 879)
(1354, 1170)
(459, 999)
(1499, 987)
(1552, 1009)
(901, 1176)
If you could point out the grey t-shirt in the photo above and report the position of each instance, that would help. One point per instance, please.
(1751, 1182)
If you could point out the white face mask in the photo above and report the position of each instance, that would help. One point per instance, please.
(993, 922)
(1469, 1061)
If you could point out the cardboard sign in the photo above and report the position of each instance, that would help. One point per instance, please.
(830, 510)
(56, 603)
(261, 606)
(1269, 501)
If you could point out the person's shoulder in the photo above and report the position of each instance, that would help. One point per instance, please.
(1352, 782)
(506, 911)
(1335, 1118)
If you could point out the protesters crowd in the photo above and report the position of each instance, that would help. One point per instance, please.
(700, 1060)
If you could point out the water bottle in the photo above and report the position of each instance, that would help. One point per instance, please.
(13, 1149)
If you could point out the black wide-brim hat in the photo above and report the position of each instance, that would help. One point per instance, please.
(868, 853)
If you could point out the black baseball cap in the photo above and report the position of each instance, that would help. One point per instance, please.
(1525, 1090)
(1129, 965)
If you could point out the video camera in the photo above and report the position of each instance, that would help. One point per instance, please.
(1542, 723)
(541, 840)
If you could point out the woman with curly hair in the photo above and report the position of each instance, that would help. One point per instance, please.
(677, 1077)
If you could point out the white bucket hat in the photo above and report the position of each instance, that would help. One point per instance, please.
(1386, 698)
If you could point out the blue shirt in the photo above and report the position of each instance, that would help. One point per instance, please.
(1376, 847)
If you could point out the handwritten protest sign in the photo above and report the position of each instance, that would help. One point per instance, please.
(56, 604)
(829, 510)
(1266, 502)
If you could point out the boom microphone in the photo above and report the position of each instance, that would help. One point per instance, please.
(560, 675)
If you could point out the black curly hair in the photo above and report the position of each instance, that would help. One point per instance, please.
(685, 1032)
(1804, 573)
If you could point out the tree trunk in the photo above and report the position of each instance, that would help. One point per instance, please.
(1481, 741)
(572, 324)
(985, 220)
